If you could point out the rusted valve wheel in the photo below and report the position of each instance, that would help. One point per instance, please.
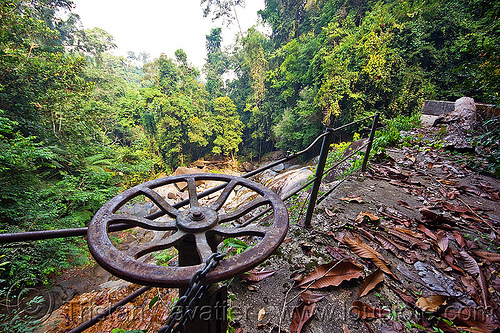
(197, 229)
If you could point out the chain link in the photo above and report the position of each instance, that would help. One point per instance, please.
(177, 319)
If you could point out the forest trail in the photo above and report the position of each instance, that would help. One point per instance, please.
(432, 223)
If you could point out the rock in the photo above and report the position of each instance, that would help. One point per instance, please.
(278, 168)
(463, 115)
(171, 195)
(266, 175)
(289, 181)
(247, 166)
(185, 171)
(461, 120)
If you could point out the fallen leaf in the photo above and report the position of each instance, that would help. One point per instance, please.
(405, 297)
(252, 288)
(256, 276)
(450, 259)
(407, 237)
(261, 314)
(371, 282)
(409, 232)
(472, 267)
(411, 158)
(435, 280)
(362, 215)
(447, 182)
(337, 253)
(459, 238)
(367, 311)
(393, 327)
(404, 204)
(469, 317)
(453, 208)
(442, 241)
(431, 303)
(343, 271)
(301, 314)
(356, 199)
(329, 212)
(471, 216)
(426, 231)
(310, 298)
(470, 264)
(493, 257)
(471, 284)
(365, 251)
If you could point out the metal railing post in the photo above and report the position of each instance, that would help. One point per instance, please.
(325, 147)
(370, 142)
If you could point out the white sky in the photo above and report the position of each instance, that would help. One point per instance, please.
(161, 26)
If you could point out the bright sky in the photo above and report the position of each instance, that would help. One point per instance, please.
(161, 26)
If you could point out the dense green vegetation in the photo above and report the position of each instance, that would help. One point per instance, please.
(78, 124)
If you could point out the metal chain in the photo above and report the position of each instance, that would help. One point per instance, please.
(177, 319)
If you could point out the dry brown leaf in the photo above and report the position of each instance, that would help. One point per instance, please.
(449, 258)
(426, 231)
(301, 314)
(405, 297)
(254, 276)
(442, 241)
(329, 212)
(472, 267)
(371, 282)
(431, 303)
(361, 249)
(494, 257)
(392, 326)
(469, 317)
(344, 271)
(361, 216)
(447, 182)
(310, 298)
(356, 199)
(409, 232)
(471, 284)
(261, 314)
(365, 251)
(470, 264)
(459, 238)
(367, 311)
(404, 204)
(456, 209)
(412, 240)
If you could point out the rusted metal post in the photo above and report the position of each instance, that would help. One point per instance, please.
(325, 147)
(370, 142)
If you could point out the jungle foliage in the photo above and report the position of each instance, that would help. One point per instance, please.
(78, 124)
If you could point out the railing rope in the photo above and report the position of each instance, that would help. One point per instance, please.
(325, 148)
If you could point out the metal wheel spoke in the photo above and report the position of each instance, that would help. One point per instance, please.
(146, 248)
(137, 221)
(224, 195)
(160, 202)
(202, 247)
(244, 210)
(253, 230)
(193, 197)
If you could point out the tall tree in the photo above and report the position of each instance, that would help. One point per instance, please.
(227, 127)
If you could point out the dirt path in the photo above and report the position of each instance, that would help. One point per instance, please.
(429, 227)
(431, 221)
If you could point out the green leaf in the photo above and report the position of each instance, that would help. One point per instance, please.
(153, 301)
